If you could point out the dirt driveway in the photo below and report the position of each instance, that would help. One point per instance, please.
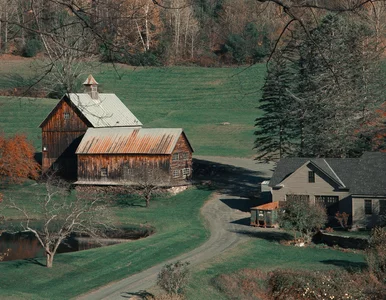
(226, 213)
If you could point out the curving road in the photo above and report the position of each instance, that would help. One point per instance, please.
(223, 219)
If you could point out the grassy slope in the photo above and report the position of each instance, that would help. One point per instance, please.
(179, 229)
(196, 99)
(265, 255)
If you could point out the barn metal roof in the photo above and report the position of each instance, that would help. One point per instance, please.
(106, 111)
(128, 140)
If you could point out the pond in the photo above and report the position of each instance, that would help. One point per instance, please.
(24, 245)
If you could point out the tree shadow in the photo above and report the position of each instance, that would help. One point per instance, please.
(26, 261)
(229, 180)
(243, 221)
(38, 156)
(141, 295)
(237, 203)
(267, 234)
(349, 266)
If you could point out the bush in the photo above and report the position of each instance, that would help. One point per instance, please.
(288, 284)
(248, 284)
(174, 277)
(245, 284)
(376, 254)
(300, 215)
(31, 48)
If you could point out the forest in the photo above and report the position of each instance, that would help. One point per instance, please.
(168, 32)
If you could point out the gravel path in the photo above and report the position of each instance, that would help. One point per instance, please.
(223, 220)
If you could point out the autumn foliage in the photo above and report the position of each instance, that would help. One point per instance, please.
(17, 161)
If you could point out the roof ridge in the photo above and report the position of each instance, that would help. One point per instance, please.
(340, 180)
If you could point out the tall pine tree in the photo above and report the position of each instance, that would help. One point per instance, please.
(275, 126)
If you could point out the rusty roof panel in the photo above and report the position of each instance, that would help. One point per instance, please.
(269, 206)
(129, 140)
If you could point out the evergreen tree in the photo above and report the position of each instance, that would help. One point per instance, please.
(275, 126)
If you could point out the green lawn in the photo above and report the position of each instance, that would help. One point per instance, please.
(265, 255)
(196, 99)
(179, 228)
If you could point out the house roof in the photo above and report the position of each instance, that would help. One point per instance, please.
(129, 140)
(106, 111)
(363, 176)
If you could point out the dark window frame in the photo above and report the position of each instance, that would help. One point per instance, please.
(176, 173)
(66, 115)
(368, 206)
(175, 156)
(311, 177)
(104, 172)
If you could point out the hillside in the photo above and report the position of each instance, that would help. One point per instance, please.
(196, 99)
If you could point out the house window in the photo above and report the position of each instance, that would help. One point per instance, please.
(175, 156)
(297, 197)
(186, 172)
(311, 176)
(331, 203)
(382, 207)
(176, 173)
(103, 172)
(368, 207)
(184, 155)
(66, 115)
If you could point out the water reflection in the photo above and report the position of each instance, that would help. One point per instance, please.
(24, 245)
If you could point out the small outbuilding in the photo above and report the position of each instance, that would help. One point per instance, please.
(265, 215)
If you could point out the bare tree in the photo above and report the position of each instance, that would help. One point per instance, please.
(148, 182)
(61, 213)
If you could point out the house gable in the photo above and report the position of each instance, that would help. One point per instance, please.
(297, 184)
(299, 179)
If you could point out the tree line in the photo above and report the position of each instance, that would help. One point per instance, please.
(147, 32)
(323, 93)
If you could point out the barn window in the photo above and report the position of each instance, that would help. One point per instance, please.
(127, 172)
(184, 155)
(176, 173)
(66, 115)
(175, 156)
(311, 176)
(186, 171)
(368, 207)
(103, 172)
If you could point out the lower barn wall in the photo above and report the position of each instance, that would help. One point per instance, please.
(128, 169)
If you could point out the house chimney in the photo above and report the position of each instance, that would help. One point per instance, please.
(91, 87)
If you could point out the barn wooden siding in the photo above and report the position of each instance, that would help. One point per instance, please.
(129, 168)
(182, 163)
(121, 167)
(60, 139)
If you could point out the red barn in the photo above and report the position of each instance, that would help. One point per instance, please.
(95, 138)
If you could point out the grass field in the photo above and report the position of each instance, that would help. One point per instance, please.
(179, 229)
(196, 99)
(265, 255)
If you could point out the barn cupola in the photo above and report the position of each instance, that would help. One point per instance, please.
(91, 87)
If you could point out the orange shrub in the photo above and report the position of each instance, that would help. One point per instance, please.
(17, 161)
